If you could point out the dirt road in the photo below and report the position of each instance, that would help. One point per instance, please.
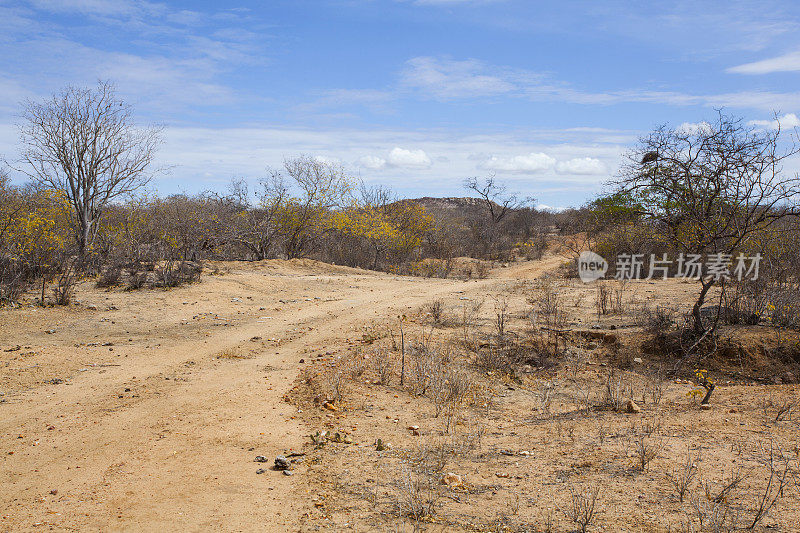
(144, 411)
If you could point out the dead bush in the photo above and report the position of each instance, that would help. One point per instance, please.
(614, 391)
(610, 300)
(583, 507)
(177, 273)
(383, 363)
(655, 320)
(109, 277)
(417, 496)
(482, 269)
(436, 311)
(14, 279)
(500, 316)
(783, 308)
(684, 473)
(646, 450)
(65, 286)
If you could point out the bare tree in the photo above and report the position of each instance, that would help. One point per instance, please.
(495, 195)
(319, 187)
(83, 143)
(257, 228)
(710, 189)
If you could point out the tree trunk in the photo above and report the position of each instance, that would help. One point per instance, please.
(701, 298)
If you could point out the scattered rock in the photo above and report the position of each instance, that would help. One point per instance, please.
(91, 307)
(631, 407)
(637, 360)
(261, 459)
(452, 480)
(502, 474)
(282, 463)
(329, 406)
(260, 471)
(54, 492)
(705, 407)
(288, 473)
(414, 430)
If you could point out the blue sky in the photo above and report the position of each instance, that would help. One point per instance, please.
(415, 94)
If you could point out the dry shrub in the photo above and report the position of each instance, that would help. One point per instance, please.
(684, 474)
(646, 450)
(111, 276)
(482, 269)
(501, 316)
(610, 300)
(436, 376)
(65, 286)
(383, 364)
(430, 268)
(655, 320)
(417, 495)
(177, 273)
(13, 279)
(783, 308)
(614, 389)
(232, 353)
(469, 319)
(583, 507)
(436, 311)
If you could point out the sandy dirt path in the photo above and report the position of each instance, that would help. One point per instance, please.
(144, 411)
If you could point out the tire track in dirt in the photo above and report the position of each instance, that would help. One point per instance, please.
(176, 450)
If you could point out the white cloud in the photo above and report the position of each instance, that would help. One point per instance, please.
(789, 120)
(371, 162)
(449, 79)
(157, 78)
(545, 207)
(325, 160)
(400, 157)
(785, 63)
(693, 128)
(532, 162)
(445, 78)
(98, 7)
(581, 166)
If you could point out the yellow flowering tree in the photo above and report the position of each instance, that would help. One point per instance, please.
(302, 214)
(394, 230)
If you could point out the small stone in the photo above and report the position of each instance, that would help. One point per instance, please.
(261, 459)
(260, 471)
(631, 407)
(452, 480)
(637, 360)
(282, 463)
(288, 473)
(91, 307)
(54, 492)
(329, 406)
(705, 407)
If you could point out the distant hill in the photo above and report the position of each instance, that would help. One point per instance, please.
(452, 207)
